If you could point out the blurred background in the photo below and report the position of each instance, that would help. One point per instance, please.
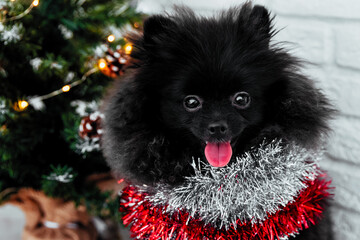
(57, 58)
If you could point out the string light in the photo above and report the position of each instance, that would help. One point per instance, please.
(102, 64)
(21, 105)
(111, 38)
(3, 129)
(136, 25)
(128, 48)
(65, 88)
(35, 3)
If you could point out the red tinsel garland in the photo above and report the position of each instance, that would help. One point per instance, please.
(152, 222)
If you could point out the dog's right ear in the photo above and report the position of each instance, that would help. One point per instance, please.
(156, 28)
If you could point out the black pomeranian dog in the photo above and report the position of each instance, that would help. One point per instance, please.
(210, 88)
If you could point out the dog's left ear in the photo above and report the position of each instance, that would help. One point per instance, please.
(156, 25)
(156, 29)
(260, 19)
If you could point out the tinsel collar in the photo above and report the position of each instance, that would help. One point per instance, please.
(270, 192)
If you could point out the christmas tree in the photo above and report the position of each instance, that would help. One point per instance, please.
(57, 58)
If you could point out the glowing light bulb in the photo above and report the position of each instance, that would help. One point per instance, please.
(136, 25)
(111, 38)
(3, 128)
(65, 88)
(35, 3)
(128, 48)
(102, 63)
(21, 105)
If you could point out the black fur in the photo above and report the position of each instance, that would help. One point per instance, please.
(150, 137)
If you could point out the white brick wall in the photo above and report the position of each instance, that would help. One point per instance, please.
(326, 33)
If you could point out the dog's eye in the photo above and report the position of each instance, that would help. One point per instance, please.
(192, 103)
(241, 100)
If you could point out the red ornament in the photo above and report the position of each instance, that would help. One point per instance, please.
(153, 222)
(90, 126)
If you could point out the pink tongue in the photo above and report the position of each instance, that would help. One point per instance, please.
(218, 154)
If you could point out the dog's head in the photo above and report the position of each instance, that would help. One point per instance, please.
(216, 105)
(214, 74)
(208, 88)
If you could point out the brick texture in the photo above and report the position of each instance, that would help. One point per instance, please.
(348, 9)
(346, 224)
(348, 46)
(305, 41)
(344, 142)
(344, 87)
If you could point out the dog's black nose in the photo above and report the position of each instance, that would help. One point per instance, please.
(218, 128)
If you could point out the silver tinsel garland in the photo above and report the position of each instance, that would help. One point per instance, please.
(257, 184)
